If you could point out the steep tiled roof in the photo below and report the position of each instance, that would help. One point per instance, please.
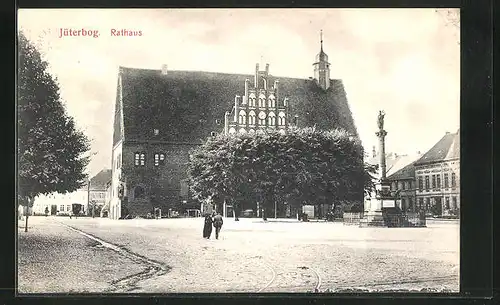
(184, 105)
(404, 168)
(445, 149)
(99, 181)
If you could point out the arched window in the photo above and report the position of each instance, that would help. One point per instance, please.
(140, 159)
(262, 101)
(242, 117)
(232, 130)
(242, 130)
(271, 119)
(251, 117)
(272, 102)
(262, 118)
(138, 192)
(251, 100)
(281, 119)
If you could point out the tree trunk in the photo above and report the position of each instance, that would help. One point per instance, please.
(26, 223)
(264, 214)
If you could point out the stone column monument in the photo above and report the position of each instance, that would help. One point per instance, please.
(374, 204)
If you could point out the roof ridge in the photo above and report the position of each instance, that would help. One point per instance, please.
(212, 72)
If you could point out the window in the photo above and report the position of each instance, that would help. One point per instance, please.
(410, 204)
(251, 100)
(68, 208)
(427, 204)
(140, 159)
(242, 130)
(251, 117)
(420, 183)
(138, 192)
(453, 180)
(242, 118)
(217, 121)
(447, 203)
(262, 101)
(272, 119)
(446, 184)
(420, 203)
(61, 208)
(156, 132)
(454, 201)
(159, 159)
(281, 119)
(400, 185)
(433, 181)
(232, 130)
(251, 131)
(271, 103)
(403, 204)
(394, 186)
(438, 181)
(427, 183)
(213, 134)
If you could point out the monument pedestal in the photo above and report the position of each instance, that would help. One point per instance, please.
(373, 219)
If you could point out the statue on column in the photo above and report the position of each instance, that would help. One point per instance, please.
(381, 115)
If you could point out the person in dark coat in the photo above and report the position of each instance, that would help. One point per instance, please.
(207, 228)
(217, 224)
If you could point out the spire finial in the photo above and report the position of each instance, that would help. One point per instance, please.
(321, 38)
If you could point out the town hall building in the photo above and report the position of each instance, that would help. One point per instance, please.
(161, 115)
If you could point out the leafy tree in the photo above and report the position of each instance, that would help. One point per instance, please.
(50, 148)
(303, 166)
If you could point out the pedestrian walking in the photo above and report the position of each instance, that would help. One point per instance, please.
(218, 224)
(207, 228)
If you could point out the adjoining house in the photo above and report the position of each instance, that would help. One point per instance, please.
(402, 179)
(161, 115)
(61, 204)
(97, 191)
(438, 177)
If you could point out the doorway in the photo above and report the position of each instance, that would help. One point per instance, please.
(438, 206)
(53, 209)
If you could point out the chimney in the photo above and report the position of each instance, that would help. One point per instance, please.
(164, 70)
(267, 69)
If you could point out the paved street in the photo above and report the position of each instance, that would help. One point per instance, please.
(170, 255)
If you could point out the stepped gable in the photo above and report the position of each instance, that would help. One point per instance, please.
(184, 105)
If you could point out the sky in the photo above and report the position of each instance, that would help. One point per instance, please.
(403, 61)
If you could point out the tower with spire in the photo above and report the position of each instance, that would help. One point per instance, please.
(322, 67)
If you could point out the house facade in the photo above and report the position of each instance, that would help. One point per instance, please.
(403, 183)
(161, 115)
(60, 204)
(437, 175)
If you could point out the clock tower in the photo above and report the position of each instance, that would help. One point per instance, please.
(260, 108)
